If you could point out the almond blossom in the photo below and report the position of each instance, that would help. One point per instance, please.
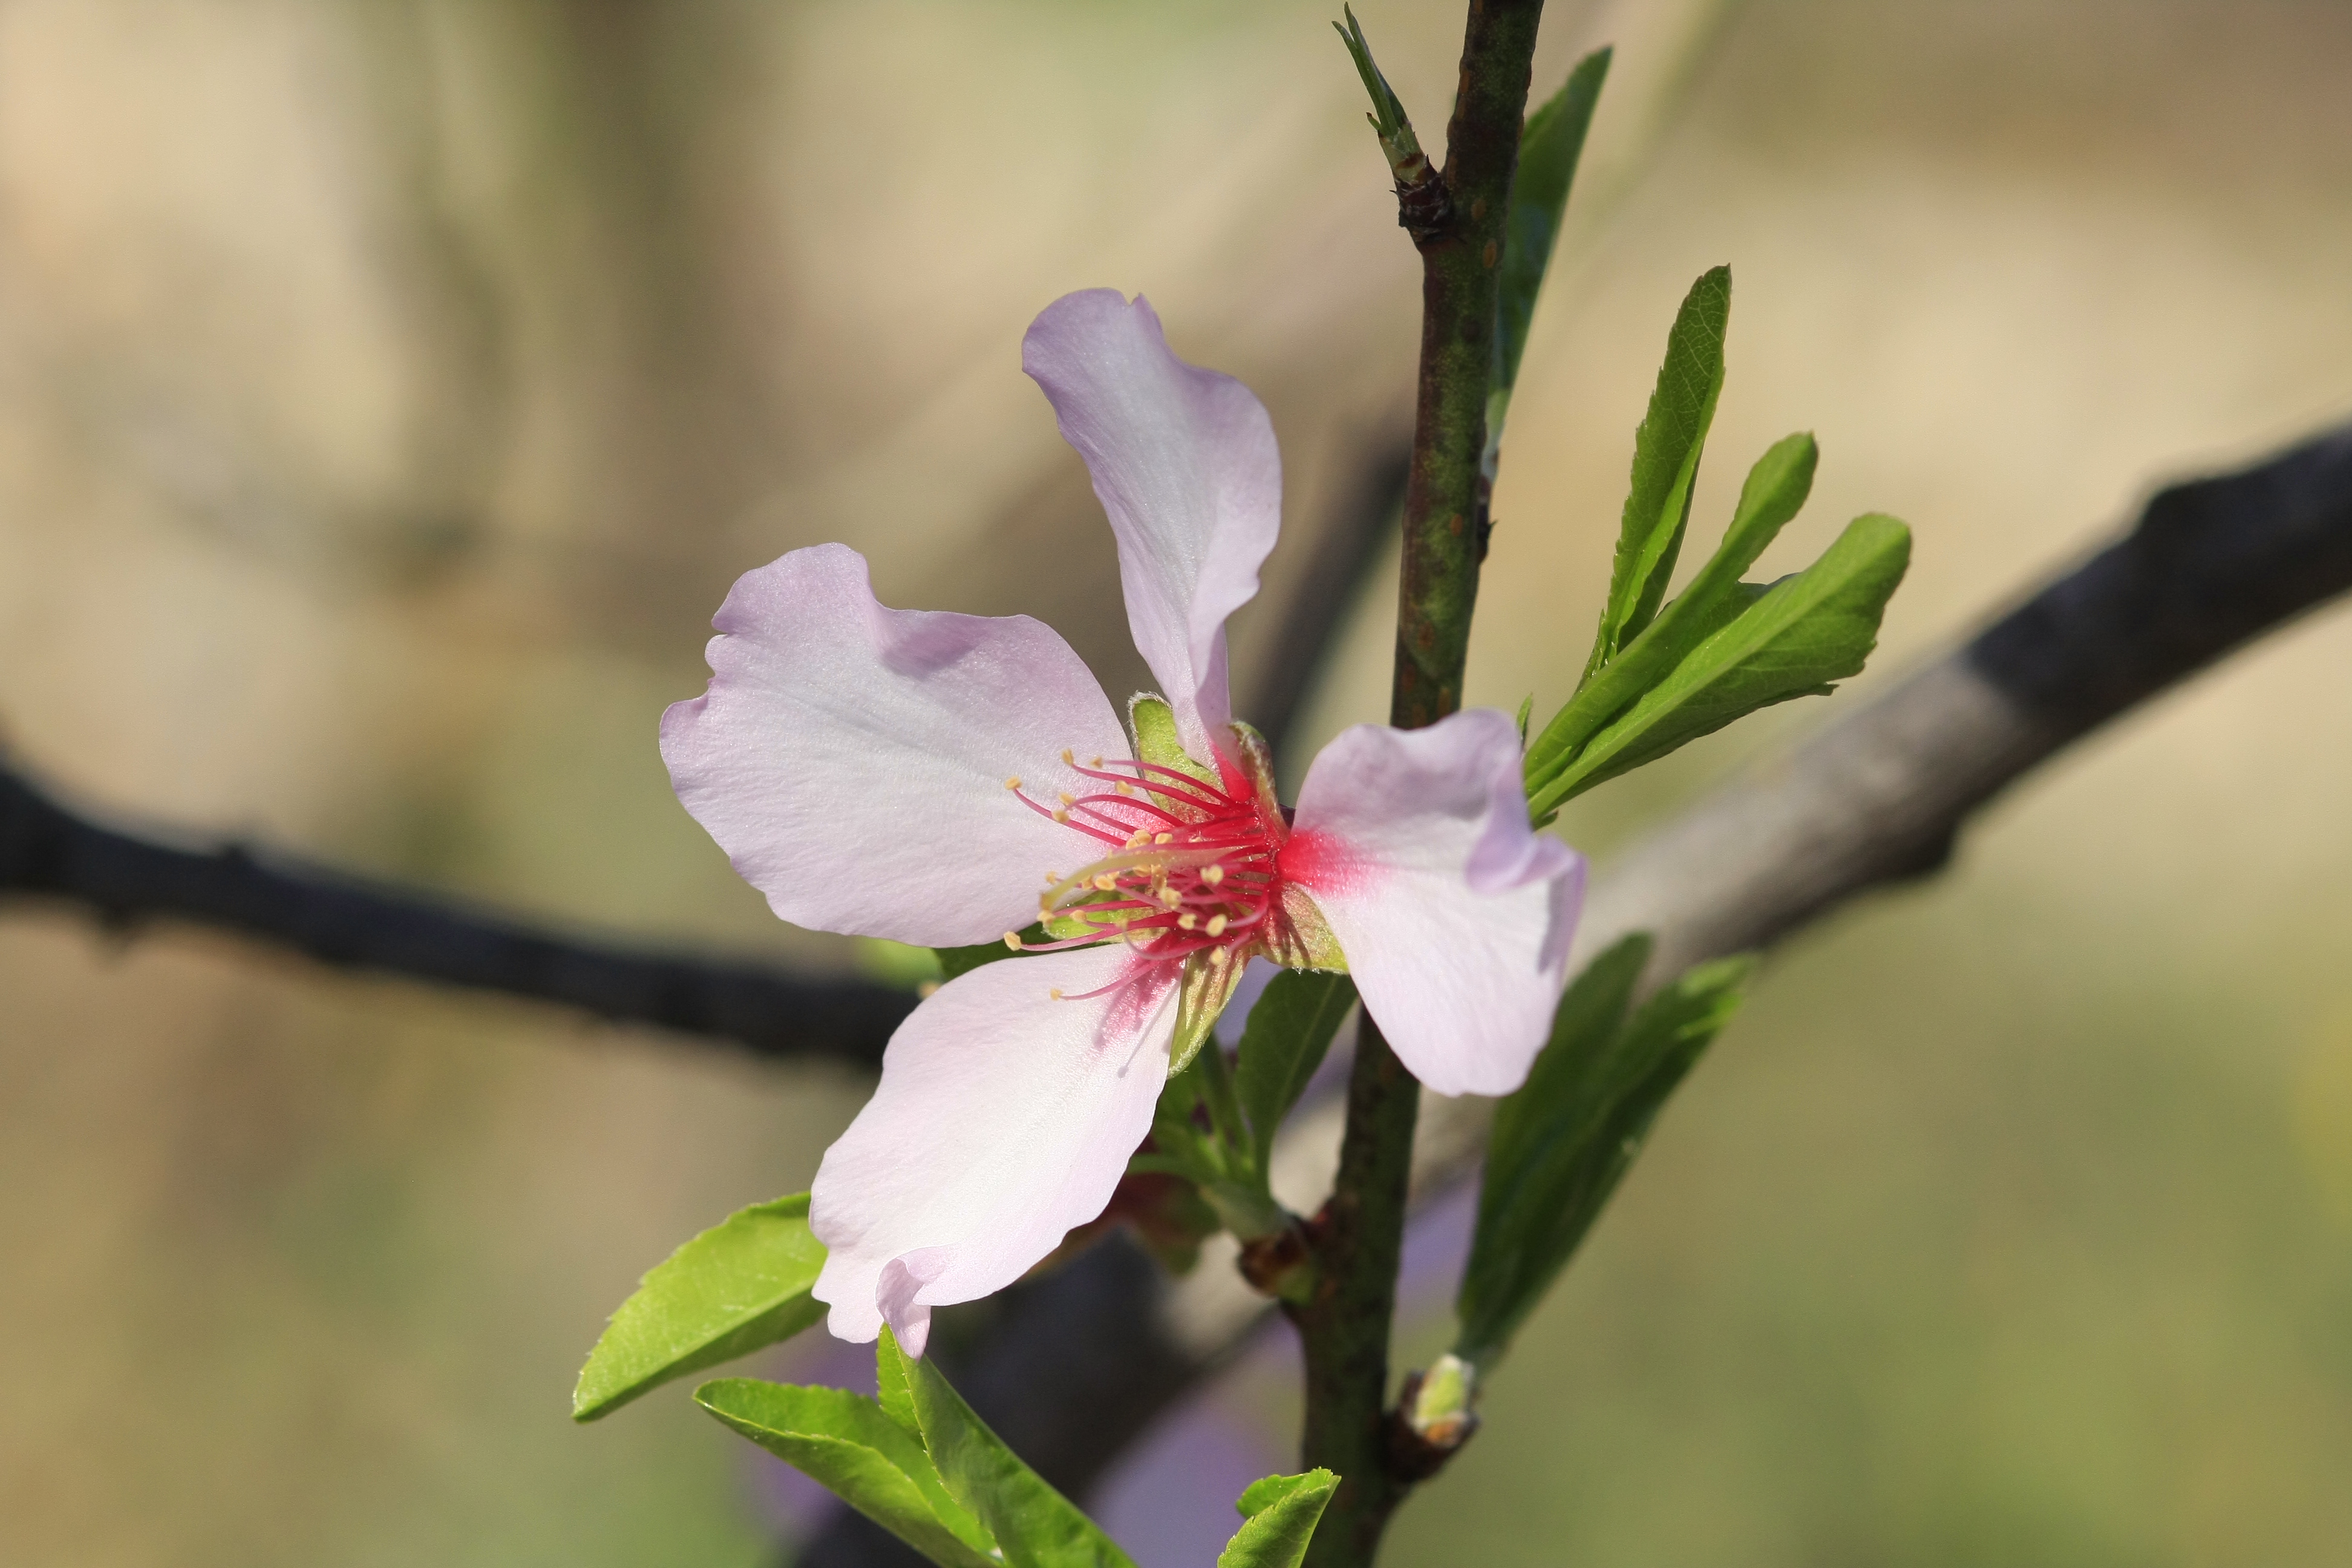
(947, 780)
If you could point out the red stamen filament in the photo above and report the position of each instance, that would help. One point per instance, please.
(1191, 867)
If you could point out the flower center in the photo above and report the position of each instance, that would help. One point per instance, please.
(1190, 868)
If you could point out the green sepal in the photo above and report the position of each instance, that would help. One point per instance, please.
(1290, 1030)
(1666, 451)
(1208, 984)
(1070, 920)
(1562, 1141)
(1256, 761)
(851, 1445)
(741, 1285)
(1280, 1513)
(1033, 1525)
(1297, 936)
(1152, 722)
(1807, 632)
(1775, 492)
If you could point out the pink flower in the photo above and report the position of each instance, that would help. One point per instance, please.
(914, 775)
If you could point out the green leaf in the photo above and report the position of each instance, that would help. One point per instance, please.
(1563, 1142)
(1281, 1513)
(1559, 1083)
(894, 1389)
(1810, 630)
(1775, 492)
(739, 1286)
(1398, 142)
(896, 964)
(1549, 148)
(1284, 1042)
(956, 961)
(1035, 1526)
(1666, 449)
(844, 1441)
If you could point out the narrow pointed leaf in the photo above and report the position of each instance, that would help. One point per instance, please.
(1033, 1525)
(1666, 449)
(1289, 1032)
(1775, 492)
(846, 1442)
(1279, 1514)
(1810, 630)
(1549, 149)
(1577, 1124)
(739, 1286)
(893, 1389)
(1562, 1080)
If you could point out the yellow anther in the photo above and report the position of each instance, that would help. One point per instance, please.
(1213, 873)
(1069, 761)
(1186, 923)
(1216, 926)
(1056, 993)
(1163, 839)
(1013, 783)
(1012, 939)
(1139, 838)
(1069, 799)
(1104, 881)
(1217, 956)
(1122, 787)
(1170, 897)
(1062, 815)
(1096, 764)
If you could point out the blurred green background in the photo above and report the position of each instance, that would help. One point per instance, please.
(389, 390)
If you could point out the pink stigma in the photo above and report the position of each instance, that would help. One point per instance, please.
(1191, 865)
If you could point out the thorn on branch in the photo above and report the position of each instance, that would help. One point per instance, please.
(1425, 206)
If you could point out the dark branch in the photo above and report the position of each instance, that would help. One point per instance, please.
(48, 852)
(1876, 798)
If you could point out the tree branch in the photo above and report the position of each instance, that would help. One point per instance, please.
(49, 852)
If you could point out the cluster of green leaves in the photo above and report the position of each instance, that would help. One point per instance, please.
(1562, 1142)
(1215, 1122)
(917, 1462)
(1663, 672)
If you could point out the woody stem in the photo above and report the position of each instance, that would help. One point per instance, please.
(1358, 1239)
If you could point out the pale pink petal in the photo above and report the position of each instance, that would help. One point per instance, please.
(1004, 1117)
(852, 760)
(1185, 462)
(1454, 915)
